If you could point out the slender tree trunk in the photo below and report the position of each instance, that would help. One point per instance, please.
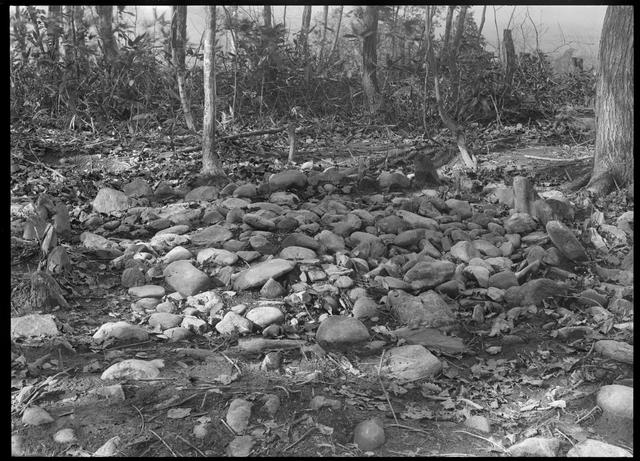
(211, 164)
(613, 162)
(266, 14)
(370, 59)
(428, 21)
(335, 40)
(482, 18)
(178, 39)
(325, 14)
(304, 42)
(54, 28)
(453, 54)
(304, 31)
(105, 30)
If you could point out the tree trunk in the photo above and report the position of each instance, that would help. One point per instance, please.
(178, 39)
(335, 40)
(304, 31)
(447, 32)
(211, 164)
(266, 14)
(20, 34)
(325, 14)
(54, 28)
(304, 43)
(509, 57)
(429, 11)
(370, 59)
(453, 54)
(482, 18)
(613, 162)
(105, 30)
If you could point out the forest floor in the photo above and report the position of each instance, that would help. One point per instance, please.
(506, 373)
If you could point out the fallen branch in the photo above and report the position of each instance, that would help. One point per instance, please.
(535, 157)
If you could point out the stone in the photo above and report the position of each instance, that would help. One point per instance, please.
(264, 316)
(462, 208)
(120, 330)
(177, 333)
(217, 256)
(369, 435)
(428, 309)
(479, 423)
(519, 223)
(297, 253)
(132, 277)
(233, 323)
(284, 199)
(248, 190)
(301, 240)
(178, 229)
(33, 325)
(536, 446)
(564, 239)
(479, 273)
(616, 400)
(432, 339)
(392, 224)
(365, 308)
(166, 242)
(287, 179)
(211, 236)
(258, 222)
(430, 273)
(194, 324)
(533, 292)
(233, 202)
(409, 238)
(202, 194)
(164, 321)
(257, 275)
(110, 201)
(503, 280)
(186, 279)
(147, 291)
(137, 188)
(416, 221)
(486, 248)
(340, 331)
(464, 251)
(615, 350)
(272, 289)
(331, 241)
(595, 448)
(409, 363)
(100, 245)
(240, 446)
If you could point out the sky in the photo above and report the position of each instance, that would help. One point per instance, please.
(559, 27)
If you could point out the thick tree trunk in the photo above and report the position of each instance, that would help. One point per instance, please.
(105, 30)
(370, 59)
(509, 57)
(482, 18)
(178, 39)
(266, 14)
(447, 32)
(613, 162)
(211, 164)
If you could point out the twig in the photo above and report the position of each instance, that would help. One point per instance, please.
(384, 391)
(589, 413)
(232, 363)
(415, 429)
(535, 157)
(141, 417)
(302, 437)
(190, 444)
(485, 439)
(224, 423)
(165, 443)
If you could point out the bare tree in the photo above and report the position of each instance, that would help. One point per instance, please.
(54, 30)
(266, 14)
(211, 164)
(482, 18)
(613, 162)
(178, 39)
(370, 59)
(105, 30)
(335, 40)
